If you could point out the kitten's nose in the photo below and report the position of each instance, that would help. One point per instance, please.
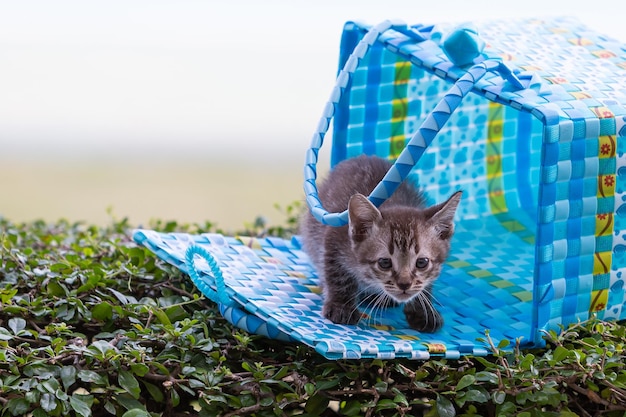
(404, 285)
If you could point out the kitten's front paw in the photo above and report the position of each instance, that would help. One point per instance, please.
(341, 313)
(426, 320)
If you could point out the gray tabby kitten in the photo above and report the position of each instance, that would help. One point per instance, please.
(383, 256)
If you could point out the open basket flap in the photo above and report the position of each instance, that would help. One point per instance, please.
(272, 282)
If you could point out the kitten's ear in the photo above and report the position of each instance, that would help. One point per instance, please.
(442, 215)
(362, 216)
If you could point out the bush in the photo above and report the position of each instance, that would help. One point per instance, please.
(93, 325)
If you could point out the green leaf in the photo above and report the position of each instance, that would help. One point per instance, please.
(485, 376)
(81, 407)
(139, 369)
(61, 395)
(32, 396)
(476, 396)
(386, 404)
(48, 402)
(381, 386)
(17, 324)
(282, 372)
(155, 392)
(465, 382)
(444, 407)
(88, 376)
(55, 289)
(506, 409)
(324, 385)
(121, 297)
(51, 386)
(527, 362)
(40, 413)
(188, 370)
(68, 376)
(400, 397)
(102, 311)
(266, 401)
(110, 407)
(504, 343)
(498, 397)
(316, 404)
(161, 316)
(175, 313)
(174, 397)
(18, 406)
(128, 381)
(136, 413)
(5, 335)
(128, 402)
(6, 295)
(560, 353)
(100, 348)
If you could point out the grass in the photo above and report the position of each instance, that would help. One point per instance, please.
(93, 325)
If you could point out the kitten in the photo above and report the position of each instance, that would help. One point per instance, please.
(383, 256)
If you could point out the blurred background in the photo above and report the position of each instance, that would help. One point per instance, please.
(186, 110)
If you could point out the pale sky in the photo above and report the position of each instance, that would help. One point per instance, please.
(183, 76)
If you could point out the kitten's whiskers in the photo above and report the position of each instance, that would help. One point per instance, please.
(360, 298)
(374, 302)
(381, 302)
(432, 297)
(426, 305)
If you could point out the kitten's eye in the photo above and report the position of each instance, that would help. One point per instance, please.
(422, 263)
(384, 263)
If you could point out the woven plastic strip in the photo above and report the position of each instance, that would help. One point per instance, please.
(219, 294)
(273, 290)
(420, 140)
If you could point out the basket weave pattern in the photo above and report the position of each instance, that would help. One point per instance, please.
(540, 239)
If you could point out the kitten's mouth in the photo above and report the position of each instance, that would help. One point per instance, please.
(403, 296)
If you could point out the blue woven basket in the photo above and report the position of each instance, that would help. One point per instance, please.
(527, 117)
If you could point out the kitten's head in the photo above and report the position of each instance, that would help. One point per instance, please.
(400, 250)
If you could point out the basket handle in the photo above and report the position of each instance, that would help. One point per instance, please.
(420, 140)
(220, 295)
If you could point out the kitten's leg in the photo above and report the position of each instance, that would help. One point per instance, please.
(421, 314)
(340, 292)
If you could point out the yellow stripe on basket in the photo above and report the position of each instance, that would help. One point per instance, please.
(488, 276)
(436, 348)
(599, 300)
(607, 147)
(602, 263)
(251, 242)
(495, 181)
(605, 222)
(399, 108)
(494, 159)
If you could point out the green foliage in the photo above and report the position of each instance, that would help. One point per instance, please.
(291, 214)
(93, 325)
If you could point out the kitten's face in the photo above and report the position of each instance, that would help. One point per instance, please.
(401, 258)
(400, 250)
